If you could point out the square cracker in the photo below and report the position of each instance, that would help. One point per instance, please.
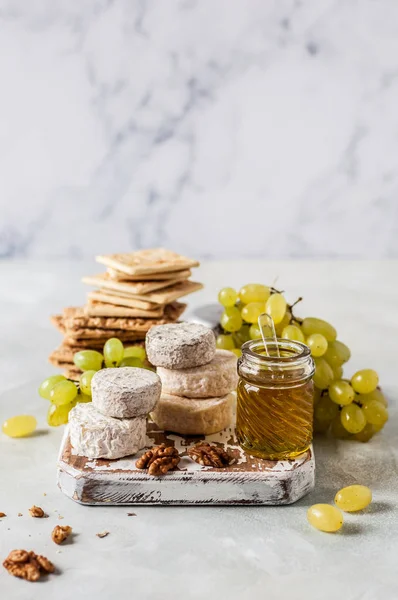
(164, 296)
(138, 288)
(144, 262)
(102, 309)
(118, 299)
(176, 275)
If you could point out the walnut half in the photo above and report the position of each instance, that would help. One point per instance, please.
(60, 533)
(27, 565)
(209, 455)
(37, 512)
(159, 460)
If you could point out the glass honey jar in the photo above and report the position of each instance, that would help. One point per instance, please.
(275, 399)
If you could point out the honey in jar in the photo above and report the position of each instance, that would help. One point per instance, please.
(275, 399)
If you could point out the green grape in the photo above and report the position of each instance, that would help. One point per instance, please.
(312, 325)
(341, 393)
(19, 426)
(337, 372)
(47, 385)
(241, 336)
(83, 398)
(225, 342)
(365, 381)
(251, 312)
(63, 392)
(337, 353)
(325, 410)
(293, 332)
(88, 360)
(353, 498)
(132, 361)
(325, 517)
(284, 323)
(323, 375)
(366, 434)
(375, 395)
(255, 333)
(337, 429)
(254, 292)
(85, 382)
(237, 351)
(275, 307)
(113, 352)
(58, 415)
(231, 320)
(317, 395)
(375, 412)
(321, 426)
(353, 418)
(317, 343)
(135, 351)
(227, 297)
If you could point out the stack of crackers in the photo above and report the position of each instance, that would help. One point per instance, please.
(138, 290)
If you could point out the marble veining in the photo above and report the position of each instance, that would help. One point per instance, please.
(219, 128)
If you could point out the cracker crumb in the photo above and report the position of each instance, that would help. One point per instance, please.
(2, 515)
(20, 515)
(60, 517)
(102, 534)
(131, 514)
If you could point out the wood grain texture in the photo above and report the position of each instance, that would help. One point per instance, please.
(248, 481)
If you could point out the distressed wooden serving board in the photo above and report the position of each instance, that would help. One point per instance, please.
(248, 481)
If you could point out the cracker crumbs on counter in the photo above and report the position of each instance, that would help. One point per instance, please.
(102, 534)
(20, 515)
(27, 565)
(37, 512)
(60, 533)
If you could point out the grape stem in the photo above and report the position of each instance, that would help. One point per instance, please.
(294, 318)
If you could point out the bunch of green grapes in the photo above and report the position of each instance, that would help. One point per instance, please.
(64, 394)
(349, 409)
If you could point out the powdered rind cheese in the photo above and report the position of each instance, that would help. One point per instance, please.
(194, 417)
(180, 345)
(215, 379)
(96, 436)
(125, 392)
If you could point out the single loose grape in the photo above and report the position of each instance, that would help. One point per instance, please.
(63, 392)
(365, 381)
(375, 412)
(325, 517)
(19, 426)
(293, 332)
(254, 292)
(352, 418)
(317, 343)
(47, 385)
(225, 342)
(135, 351)
(251, 312)
(353, 498)
(375, 395)
(227, 297)
(323, 375)
(83, 398)
(132, 361)
(241, 336)
(337, 353)
(341, 392)
(366, 434)
(58, 415)
(85, 382)
(113, 352)
(275, 307)
(312, 325)
(88, 360)
(231, 319)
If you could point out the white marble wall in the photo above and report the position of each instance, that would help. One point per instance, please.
(216, 127)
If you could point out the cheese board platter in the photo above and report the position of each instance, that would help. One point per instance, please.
(246, 481)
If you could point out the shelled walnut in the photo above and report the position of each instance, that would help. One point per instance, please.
(209, 455)
(60, 533)
(37, 512)
(159, 460)
(27, 565)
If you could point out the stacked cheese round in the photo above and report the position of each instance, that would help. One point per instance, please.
(113, 425)
(197, 380)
